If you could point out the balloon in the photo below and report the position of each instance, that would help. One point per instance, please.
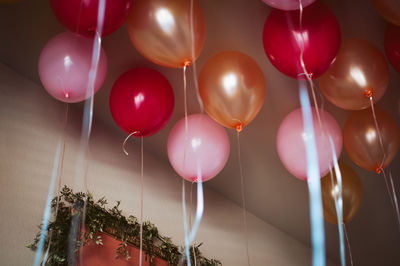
(207, 148)
(319, 37)
(80, 16)
(288, 4)
(392, 45)
(64, 66)
(359, 71)
(161, 31)
(291, 137)
(232, 88)
(361, 139)
(351, 194)
(389, 10)
(142, 101)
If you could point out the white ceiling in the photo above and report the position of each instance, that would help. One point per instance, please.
(272, 193)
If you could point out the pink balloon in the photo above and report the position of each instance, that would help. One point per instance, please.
(207, 148)
(290, 142)
(288, 4)
(64, 66)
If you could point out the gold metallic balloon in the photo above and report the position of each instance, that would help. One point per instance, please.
(359, 71)
(389, 10)
(351, 194)
(361, 139)
(232, 88)
(161, 31)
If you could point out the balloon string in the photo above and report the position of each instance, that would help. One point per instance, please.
(243, 198)
(338, 202)
(190, 221)
(141, 200)
(126, 139)
(395, 199)
(186, 113)
(314, 184)
(379, 134)
(185, 227)
(194, 57)
(348, 244)
(82, 166)
(189, 237)
(56, 174)
(392, 195)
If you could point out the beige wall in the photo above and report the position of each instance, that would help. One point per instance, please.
(30, 128)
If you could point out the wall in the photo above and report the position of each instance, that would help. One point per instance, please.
(31, 125)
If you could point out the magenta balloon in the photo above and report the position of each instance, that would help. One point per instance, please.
(290, 142)
(319, 36)
(288, 4)
(64, 66)
(207, 148)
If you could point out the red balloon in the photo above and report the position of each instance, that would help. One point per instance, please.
(80, 16)
(141, 100)
(392, 45)
(320, 37)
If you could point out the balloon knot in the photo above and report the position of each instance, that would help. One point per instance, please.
(66, 94)
(195, 179)
(378, 170)
(368, 93)
(239, 127)
(187, 63)
(310, 74)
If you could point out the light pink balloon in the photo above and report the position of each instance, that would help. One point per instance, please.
(291, 147)
(64, 66)
(207, 148)
(288, 4)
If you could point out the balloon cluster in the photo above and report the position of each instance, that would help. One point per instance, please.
(301, 39)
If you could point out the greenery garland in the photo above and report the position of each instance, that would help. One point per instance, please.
(69, 208)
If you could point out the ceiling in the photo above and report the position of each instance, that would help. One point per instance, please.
(272, 193)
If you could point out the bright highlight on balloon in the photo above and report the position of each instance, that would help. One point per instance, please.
(358, 76)
(165, 20)
(229, 82)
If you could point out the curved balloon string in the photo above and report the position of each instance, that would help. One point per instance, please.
(246, 235)
(314, 183)
(126, 139)
(56, 174)
(348, 244)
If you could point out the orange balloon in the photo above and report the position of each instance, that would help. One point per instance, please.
(359, 71)
(232, 88)
(161, 31)
(389, 10)
(361, 139)
(351, 194)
